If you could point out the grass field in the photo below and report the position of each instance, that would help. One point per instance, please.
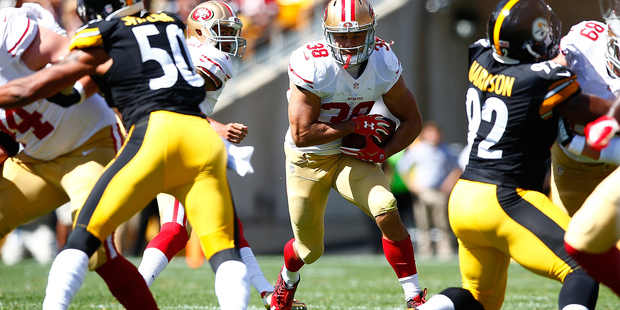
(334, 282)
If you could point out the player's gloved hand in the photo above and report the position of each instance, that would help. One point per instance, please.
(599, 132)
(370, 153)
(370, 125)
(565, 132)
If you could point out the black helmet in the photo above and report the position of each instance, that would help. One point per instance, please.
(524, 31)
(89, 10)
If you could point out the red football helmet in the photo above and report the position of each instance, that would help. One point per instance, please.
(345, 16)
(206, 22)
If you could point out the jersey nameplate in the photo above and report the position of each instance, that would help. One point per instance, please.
(483, 80)
(156, 17)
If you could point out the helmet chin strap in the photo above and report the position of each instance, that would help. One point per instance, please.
(347, 62)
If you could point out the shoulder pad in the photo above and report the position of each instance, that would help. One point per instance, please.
(18, 31)
(386, 57)
(207, 57)
(583, 36)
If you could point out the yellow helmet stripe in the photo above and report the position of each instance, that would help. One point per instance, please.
(499, 22)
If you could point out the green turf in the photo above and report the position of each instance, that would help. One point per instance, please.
(334, 282)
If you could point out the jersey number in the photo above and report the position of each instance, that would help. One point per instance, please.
(172, 67)
(40, 130)
(344, 108)
(318, 50)
(476, 114)
(591, 31)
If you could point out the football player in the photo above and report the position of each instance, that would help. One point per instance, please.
(497, 210)
(589, 50)
(213, 35)
(334, 83)
(65, 149)
(141, 61)
(593, 232)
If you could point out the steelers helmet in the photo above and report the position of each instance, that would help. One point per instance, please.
(205, 23)
(89, 10)
(524, 31)
(344, 16)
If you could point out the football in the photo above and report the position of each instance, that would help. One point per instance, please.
(359, 141)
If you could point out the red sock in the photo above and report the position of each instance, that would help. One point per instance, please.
(171, 239)
(291, 261)
(126, 284)
(400, 256)
(242, 242)
(604, 267)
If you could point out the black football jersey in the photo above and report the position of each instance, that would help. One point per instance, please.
(511, 121)
(151, 70)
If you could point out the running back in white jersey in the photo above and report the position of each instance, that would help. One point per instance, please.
(312, 68)
(212, 62)
(46, 130)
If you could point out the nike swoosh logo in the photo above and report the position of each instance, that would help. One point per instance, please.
(566, 74)
(84, 153)
(307, 58)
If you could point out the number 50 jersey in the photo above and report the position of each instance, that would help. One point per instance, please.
(511, 122)
(151, 69)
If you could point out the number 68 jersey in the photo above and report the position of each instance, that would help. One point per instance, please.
(312, 68)
(511, 121)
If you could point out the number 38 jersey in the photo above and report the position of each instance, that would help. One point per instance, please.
(511, 122)
(46, 130)
(148, 72)
(312, 68)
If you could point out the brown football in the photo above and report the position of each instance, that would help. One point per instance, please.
(359, 141)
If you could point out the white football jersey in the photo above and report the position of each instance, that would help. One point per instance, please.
(46, 130)
(213, 62)
(584, 48)
(312, 68)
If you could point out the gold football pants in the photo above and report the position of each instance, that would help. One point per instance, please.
(494, 224)
(170, 153)
(310, 178)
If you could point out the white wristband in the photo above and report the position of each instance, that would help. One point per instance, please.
(577, 144)
(80, 88)
(611, 153)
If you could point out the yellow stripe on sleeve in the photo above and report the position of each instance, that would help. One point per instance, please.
(90, 37)
(557, 94)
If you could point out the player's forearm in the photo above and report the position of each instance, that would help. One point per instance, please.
(405, 134)
(320, 133)
(16, 93)
(585, 108)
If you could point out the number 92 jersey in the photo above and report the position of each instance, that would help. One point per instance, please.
(511, 122)
(151, 69)
(312, 68)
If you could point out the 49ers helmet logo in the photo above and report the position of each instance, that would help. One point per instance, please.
(202, 14)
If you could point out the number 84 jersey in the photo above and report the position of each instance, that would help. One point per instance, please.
(313, 68)
(511, 121)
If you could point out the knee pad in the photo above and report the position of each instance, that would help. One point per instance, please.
(381, 201)
(310, 254)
